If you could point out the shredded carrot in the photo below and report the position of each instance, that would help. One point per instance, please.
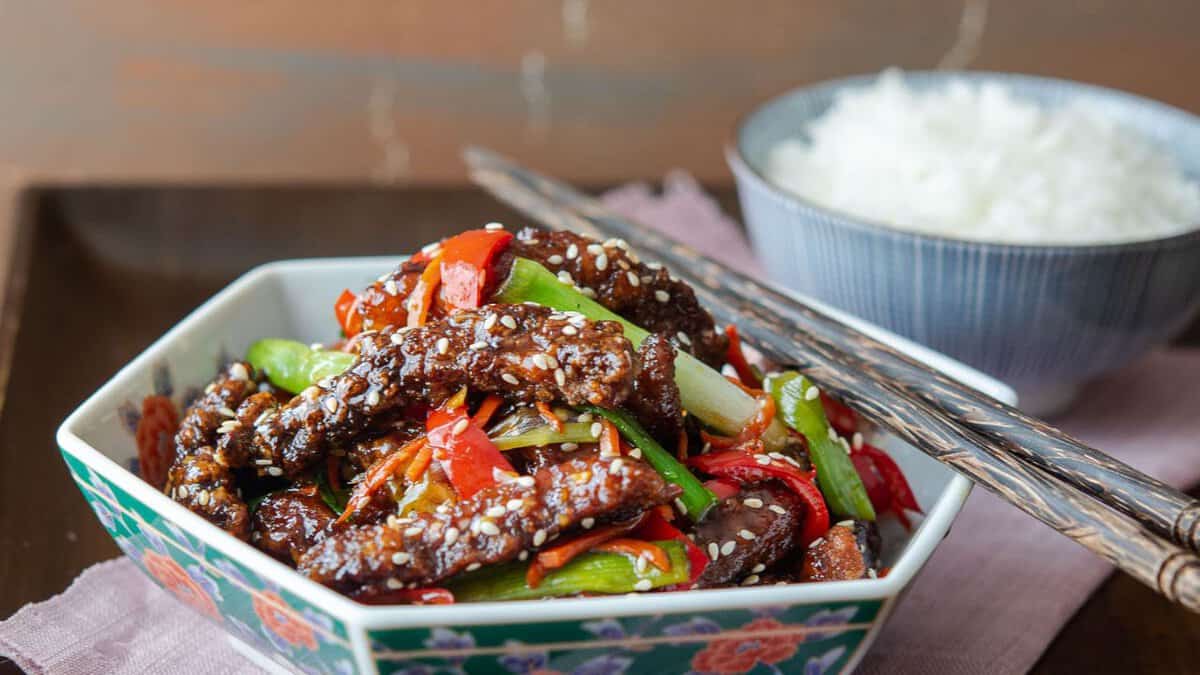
(419, 464)
(610, 439)
(333, 472)
(547, 414)
(636, 548)
(561, 554)
(376, 476)
(741, 385)
(421, 299)
(681, 447)
(486, 410)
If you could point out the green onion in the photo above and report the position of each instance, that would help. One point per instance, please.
(293, 366)
(696, 498)
(838, 479)
(593, 572)
(334, 499)
(705, 393)
(573, 432)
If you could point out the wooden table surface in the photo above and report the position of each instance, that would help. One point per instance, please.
(105, 271)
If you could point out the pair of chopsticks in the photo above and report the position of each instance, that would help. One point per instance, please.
(1136, 522)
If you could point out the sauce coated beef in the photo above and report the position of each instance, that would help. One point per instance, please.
(201, 477)
(747, 533)
(523, 352)
(849, 550)
(495, 525)
(611, 274)
(287, 523)
(655, 401)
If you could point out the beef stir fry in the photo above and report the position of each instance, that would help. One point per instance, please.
(530, 416)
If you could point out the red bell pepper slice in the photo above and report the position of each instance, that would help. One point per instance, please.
(348, 316)
(745, 468)
(893, 477)
(723, 489)
(735, 357)
(468, 457)
(841, 416)
(466, 265)
(655, 527)
(877, 490)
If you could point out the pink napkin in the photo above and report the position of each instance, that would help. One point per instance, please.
(990, 600)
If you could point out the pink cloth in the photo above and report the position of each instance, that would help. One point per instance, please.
(990, 600)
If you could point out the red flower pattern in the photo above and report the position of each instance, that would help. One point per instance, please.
(740, 654)
(282, 620)
(176, 580)
(155, 439)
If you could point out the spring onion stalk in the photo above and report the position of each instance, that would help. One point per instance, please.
(696, 498)
(573, 432)
(592, 572)
(705, 393)
(800, 408)
(293, 366)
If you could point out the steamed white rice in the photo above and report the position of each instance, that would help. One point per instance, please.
(975, 162)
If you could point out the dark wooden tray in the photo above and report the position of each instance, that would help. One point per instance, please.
(101, 272)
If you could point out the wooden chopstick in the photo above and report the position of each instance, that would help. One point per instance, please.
(1055, 495)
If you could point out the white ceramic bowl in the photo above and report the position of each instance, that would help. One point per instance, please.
(292, 621)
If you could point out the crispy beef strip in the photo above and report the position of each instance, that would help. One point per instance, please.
(494, 526)
(655, 400)
(289, 522)
(201, 477)
(749, 532)
(849, 550)
(523, 352)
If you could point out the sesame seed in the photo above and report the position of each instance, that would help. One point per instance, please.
(654, 266)
(569, 447)
(490, 321)
(640, 564)
(816, 542)
(728, 547)
(525, 481)
(617, 465)
(633, 279)
(202, 498)
(857, 441)
(331, 404)
(474, 566)
(747, 535)
(646, 278)
(539, 537)
(263, 462)
(212, 386)
(390, 287)
(523, 555)
(872, 573)
(714, 551)
(684, 339)
(811, 394)
(492, 227)
(662, 296)
(601, 262)
(777, 509)
(681, 506)
(596, 429)
(832, 433)
(753, 502)
(224, 410)
(412, 531)
(228, 426)
(569, 330)
(451, 535)
(428, 249)
(555, 259)
(572, 252)
(588, 292)
(508, 322)
(587, 523)
(442, 345)
(373, 398)
(777, 455)
(514, 504)
(488, 527)
(326, 382)
(238, 372)
(274, 471)
(401, 558)
(758, 568)
(622, 264)
(395, 584)
(494, 511)
(560, 378)
(762, 460)
(750, 580)
(643, 585)
(845, 523)
(510, 378)
(460, 426)
(396, 338)
(539, 361)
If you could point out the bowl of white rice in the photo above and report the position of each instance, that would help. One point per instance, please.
(1043, 231)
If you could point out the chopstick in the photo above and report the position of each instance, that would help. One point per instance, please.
(1037, 468)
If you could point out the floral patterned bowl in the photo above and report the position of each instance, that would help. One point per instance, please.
(288, 622)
